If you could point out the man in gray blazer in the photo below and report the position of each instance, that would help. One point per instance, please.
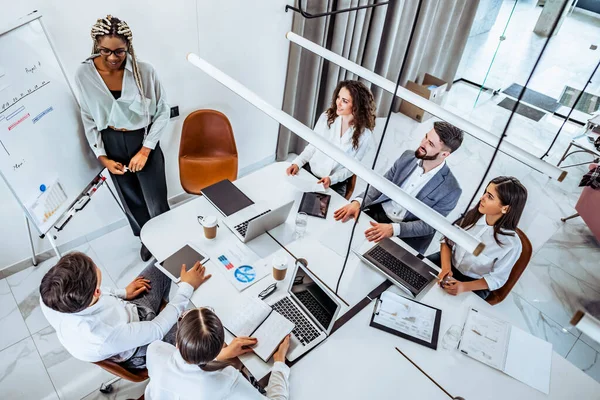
(423, 174)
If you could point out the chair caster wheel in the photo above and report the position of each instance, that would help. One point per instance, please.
(106, 389)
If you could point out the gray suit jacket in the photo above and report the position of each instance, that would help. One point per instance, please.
(441, 193)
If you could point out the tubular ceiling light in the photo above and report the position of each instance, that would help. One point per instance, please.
(435, 220)
(435, 109)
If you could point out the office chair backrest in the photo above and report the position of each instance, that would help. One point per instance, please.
(350, 187)
(207, 152)
(498, 295)
(133, 375)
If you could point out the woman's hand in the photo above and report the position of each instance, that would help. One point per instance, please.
(238, 346)
(282, 350)
(115, 168)
(325, 181)
(292, 169)
(138, 161)
(454, 287)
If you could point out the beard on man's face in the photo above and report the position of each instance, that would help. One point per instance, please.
(421, 154)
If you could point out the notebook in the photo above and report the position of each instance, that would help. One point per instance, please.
(507, 348)
(257, 319)
(171, 266)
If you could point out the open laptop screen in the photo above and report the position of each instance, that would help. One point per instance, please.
(314, 299)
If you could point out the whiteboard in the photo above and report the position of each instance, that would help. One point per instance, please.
(42, 140)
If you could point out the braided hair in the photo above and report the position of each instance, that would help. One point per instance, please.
(113, 26)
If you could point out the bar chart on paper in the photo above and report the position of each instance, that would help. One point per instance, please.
(48, 202)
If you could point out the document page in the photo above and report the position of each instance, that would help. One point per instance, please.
(248, 317)
(305, 184)
(270, 333)
(406, 316)
(529, 360)
(485, 338)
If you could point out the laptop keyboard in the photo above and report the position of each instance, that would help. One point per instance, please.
(399, 269)
(243, 227)
(304, 331)
(314, 307)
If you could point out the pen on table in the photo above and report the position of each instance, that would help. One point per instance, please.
(434, 275)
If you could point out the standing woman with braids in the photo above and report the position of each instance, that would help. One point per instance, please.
(200, 367)
(348, 124)
(493, 221)
(125, 112)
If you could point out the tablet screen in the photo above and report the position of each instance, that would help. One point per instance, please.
(315, 204)
(186, 255)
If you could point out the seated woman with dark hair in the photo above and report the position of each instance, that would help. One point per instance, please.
(493, 221)
(200, 367)
(348, 124)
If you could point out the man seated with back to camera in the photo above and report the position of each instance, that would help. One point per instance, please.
(422, 174)
(96, 324)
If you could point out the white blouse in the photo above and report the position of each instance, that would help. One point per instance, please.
(172, 378)
(99, 109)
(323, 166)
(495, 262)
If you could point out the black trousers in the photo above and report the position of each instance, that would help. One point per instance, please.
(339, 188)
(144, 193)
(148, 307)
(436, 258)
(419, 243)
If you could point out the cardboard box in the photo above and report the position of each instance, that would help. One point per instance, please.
(432, 89)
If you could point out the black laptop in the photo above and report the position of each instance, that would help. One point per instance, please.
(403, 268)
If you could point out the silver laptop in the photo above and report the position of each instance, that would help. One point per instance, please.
(256, 219)
(310, 306)
(403, 268)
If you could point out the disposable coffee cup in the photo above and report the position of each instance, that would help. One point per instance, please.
(279, 268)
(210, 226)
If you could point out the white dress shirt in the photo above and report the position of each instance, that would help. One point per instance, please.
(99, 109)
(111, 328)
(412, 185)
(322, 165)
(172, 378)
(495, 262)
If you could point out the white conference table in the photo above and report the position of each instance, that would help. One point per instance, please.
(357, 361)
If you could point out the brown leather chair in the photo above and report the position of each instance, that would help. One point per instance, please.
(498, 295)
(132, 375)
(350, 187)
(207, 153)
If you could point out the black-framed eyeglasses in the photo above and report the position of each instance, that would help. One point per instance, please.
(108, 52)
(268, 291)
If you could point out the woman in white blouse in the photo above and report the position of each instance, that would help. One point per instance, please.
(493, 221)
(200, 367)
(348, 123)
(124, 113)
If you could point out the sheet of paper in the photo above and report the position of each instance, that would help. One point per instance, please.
(406, 316)
(529, 360)
(485, 338)
(241, 266)
(270, 334)
(305, 184)
(251, 313)
(48, 202)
